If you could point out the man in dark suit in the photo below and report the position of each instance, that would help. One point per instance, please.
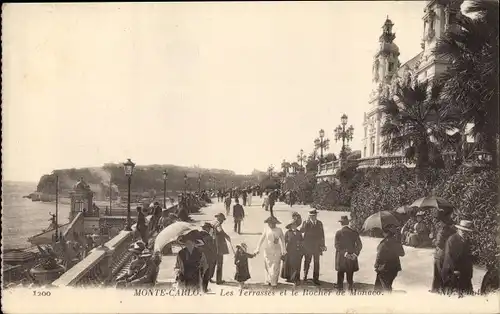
(347, 248)
(220, 237)
(457, 264)
(210, 250)
(273, 198)
(238, 215)
(314, 244)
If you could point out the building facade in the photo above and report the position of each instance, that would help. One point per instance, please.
(388, 71)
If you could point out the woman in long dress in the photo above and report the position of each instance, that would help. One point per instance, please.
(274, 241)
(249, 198)
(293, 257)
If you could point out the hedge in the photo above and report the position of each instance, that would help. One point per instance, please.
(388, 190)
(474, 194)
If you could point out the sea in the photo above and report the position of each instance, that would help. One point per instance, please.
(23, 218)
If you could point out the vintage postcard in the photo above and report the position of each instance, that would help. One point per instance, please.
(250, 157)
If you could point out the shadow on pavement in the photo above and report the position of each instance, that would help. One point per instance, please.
(251, 233)
(322, 285)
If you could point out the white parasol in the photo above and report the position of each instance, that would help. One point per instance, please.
(171, 233)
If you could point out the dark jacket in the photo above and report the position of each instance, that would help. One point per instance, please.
(314, 236)
(220, 237)
(147, 274)
(347, 241)
(238, 211)
(191, 265)
(141, 221)
(156, 211)
(294, 243)
(442, 236)
(273, 196)
(241, 261)
(209, 247)
(457, 257)
(388, 252)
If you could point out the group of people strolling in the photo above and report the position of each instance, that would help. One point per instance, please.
(202, 257)
(308, 242)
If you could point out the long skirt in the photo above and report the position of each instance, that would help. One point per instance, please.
(249, 200)
(272, 263)
(291, 267)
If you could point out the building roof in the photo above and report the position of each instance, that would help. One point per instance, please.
(410, 63)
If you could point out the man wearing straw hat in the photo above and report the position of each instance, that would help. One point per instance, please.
(220, 237)
(314, 244)
(457, 264)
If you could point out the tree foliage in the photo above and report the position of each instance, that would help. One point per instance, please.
(470, 84)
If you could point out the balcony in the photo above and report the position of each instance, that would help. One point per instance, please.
(328, 168)
(385, 162)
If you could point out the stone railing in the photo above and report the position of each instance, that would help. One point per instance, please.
(385, 161)
(477, 159)
(75, 229)
(328, 166)
(102, 263)
(331, 167)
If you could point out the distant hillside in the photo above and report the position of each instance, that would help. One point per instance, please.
(145, 178)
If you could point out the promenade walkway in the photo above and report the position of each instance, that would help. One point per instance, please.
(417, 264)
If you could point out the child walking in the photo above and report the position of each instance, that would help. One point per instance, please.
(241, 261)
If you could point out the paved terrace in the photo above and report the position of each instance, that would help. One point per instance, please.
(417, 264)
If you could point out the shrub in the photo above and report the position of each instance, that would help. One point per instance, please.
(474, 194)
(385, 189)
(303, 184)
(330, 196)
(337, 196)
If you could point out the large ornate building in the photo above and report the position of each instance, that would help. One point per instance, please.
(387, 71)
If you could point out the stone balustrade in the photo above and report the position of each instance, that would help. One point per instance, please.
(330, 168)
(102, 263)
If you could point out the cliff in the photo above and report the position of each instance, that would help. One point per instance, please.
(145, 179)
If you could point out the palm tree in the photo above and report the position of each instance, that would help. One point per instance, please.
(285, 165)
(295, 166)
(471, 80)
(414, 120)
(312, 161)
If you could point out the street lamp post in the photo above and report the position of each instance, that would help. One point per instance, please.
(185, 183)
(301, 158)
(199, 183)
(341, 133)
(322, 143)
(270, 171)
(165, 177)
(129, 169)
(284, 164)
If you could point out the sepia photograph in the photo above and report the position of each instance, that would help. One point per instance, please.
(251, 157)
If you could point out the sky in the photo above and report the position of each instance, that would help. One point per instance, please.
(236, 86)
